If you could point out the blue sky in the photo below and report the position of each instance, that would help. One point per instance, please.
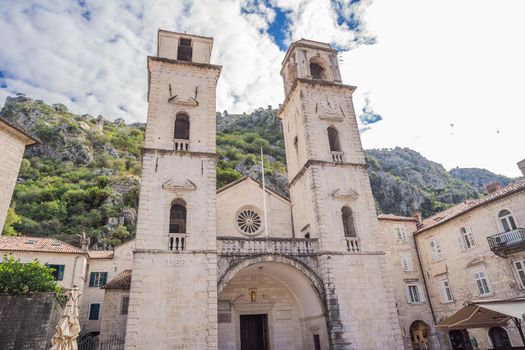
(420, 66)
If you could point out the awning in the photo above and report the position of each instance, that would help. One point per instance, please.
(474, 316)
(487, 313)
(514, 307)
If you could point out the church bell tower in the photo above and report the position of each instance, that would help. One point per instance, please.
(332, 199)
(173, 301)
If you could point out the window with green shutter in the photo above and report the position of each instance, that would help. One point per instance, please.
(94, 311)
(98, 279)
(58, 271)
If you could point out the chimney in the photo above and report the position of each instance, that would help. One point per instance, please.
(521, 165)
(493, 187)
(417, 214)
(84, 242)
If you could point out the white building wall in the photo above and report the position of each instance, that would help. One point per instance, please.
(122, 260)
(74, 265)
(12, 146)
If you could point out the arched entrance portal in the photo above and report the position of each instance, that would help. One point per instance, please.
(270, 305)
(420, 335)
(499, 338)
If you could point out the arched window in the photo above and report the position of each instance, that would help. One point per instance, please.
(317, 71)
(348, 222)
(333, 139)
(182, 126)
(507, 221)
(178, 217)
(500, 338)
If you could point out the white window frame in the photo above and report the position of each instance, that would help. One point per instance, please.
(466, 239)
(506, 217)
(446, 298)
(406, 262)
(520, 272)
(435, 249)
(401, 233)
(484, 289)
(415, 293)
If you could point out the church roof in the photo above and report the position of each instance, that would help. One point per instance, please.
(120, 281)
(36, 244)
(30, 140)
(468, 205)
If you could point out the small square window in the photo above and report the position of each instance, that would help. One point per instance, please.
(98, 279)
(124, 305)
(58, 271)
(446, 291)
(94, 311)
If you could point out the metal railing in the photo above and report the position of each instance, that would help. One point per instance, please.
(507, 240)
(90, 342)
(249, 246)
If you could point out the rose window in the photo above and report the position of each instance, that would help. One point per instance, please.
(249, 221)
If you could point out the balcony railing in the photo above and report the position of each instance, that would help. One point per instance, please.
(337, 156)
(181, 144)
(251, 246)
(507, 242)
(177, 241)
(352, 244)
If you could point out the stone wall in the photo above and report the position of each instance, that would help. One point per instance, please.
(27, 322)
(12, 147)
(113, 320)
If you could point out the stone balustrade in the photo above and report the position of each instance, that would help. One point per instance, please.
(253, 246)
(352, 244)
(177, 241)
(181, 144)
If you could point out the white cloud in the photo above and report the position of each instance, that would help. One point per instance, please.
(437, 63)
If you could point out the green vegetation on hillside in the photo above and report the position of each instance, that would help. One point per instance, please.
(84, 176)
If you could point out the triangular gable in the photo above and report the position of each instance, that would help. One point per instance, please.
(244, 179)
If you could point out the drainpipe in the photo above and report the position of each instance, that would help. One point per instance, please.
(426, 289)
(424, 280)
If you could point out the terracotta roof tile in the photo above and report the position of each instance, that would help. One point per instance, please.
(468, 205)
(120, 281)
(101, 254)
(37, 244)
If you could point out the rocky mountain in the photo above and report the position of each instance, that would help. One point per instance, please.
(84, 176)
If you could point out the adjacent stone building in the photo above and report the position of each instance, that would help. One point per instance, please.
(415, 317)
(13, 141)
(476, 250)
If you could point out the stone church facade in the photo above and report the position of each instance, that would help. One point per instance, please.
(218, 274)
